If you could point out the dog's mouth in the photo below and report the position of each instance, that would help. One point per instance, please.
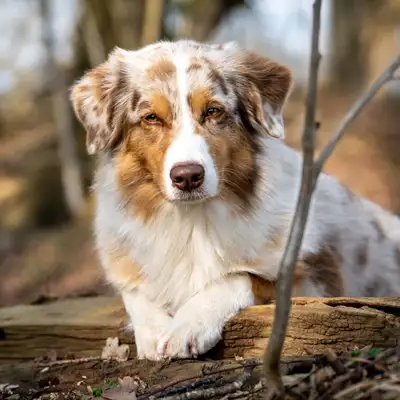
(192, 197)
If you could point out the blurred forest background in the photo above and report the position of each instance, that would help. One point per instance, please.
(45, 174)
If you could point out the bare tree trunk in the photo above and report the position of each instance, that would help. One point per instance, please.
(116, 23)
(70, 166)
(365, 35)
(167, 33)
(381, 32)
(100, 11)
(202, 17)
(127, 18)
(153, 21)
(90, 37)
(348, 63)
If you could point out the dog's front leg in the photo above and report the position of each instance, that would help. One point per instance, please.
(149, 322)
(197, 326)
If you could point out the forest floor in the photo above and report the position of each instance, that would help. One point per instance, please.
(368, 373)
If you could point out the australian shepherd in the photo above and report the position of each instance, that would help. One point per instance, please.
(196, 191)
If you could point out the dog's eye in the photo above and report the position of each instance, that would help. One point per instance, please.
(152, 118)
(213, 112)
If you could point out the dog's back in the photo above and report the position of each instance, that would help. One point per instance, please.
(364, 237)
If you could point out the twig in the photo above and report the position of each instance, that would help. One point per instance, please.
(214, 381)
(287, 364)
(212, 392)
(285, 278)
(70, 362)
(362, 101)
(344, 393)
(353, 375)
(334, 362)
(247, 394)
(250, 362)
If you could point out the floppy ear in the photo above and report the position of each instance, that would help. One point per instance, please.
(263, 87)
(98, 100)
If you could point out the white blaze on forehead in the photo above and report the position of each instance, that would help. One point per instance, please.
(187, 146)
(182, 64)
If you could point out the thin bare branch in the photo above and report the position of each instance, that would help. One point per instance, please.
(386, 76)
(91, 36)
(273, 352)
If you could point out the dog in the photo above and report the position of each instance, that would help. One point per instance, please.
(196, 191)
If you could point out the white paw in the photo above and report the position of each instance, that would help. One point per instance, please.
(147, 337)
(188, 337)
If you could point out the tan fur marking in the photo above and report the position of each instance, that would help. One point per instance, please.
(97, 76)
(194, 66)
(162, 108)
(264, 291)
(235, 162)
(240, 173)
(161, 70)
(140, 162)
(325, 270)
(198, 101)
(122, 270)
(232, 150)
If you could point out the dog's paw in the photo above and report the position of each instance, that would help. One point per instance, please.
(188, 338)
(147, 337)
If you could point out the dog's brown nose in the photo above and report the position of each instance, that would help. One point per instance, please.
(187, 177)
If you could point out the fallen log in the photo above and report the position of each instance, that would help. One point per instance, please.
(80, 326)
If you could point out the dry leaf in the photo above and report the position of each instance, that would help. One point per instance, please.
(114, 351)
(126, 390)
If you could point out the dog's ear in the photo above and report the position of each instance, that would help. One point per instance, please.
(98, 100)
(263, 86)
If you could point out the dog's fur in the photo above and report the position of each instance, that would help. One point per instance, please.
(185, 262)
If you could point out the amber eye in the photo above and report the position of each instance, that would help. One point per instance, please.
(213, 112)
(151, 118)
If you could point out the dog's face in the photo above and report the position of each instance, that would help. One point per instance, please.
(182, 120)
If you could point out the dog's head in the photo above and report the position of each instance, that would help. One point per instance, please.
(183, 120)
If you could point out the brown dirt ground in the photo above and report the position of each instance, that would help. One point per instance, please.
(368, 374)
